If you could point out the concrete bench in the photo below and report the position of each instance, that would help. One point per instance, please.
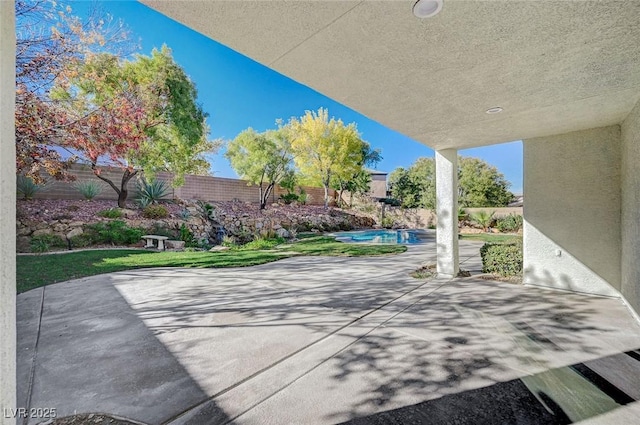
(150, 244)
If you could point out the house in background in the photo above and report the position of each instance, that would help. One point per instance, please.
(378, 185)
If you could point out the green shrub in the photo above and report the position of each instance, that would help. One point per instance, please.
(502, 259)
(111, 213)
(207, 210)
(510, 223)
(387, 222)
(288, 198)
(27, 188)
(88, 188)
(114, 232)
(43, 243)
(155, 211)
(83, 240)
(262, 243)
(186, 235)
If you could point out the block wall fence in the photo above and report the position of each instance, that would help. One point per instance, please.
(206, 188)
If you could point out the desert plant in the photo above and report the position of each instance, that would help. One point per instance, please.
(184, 214)
(27, 188)
(510, 223)
(483, 218)
(89, 188)
(462, 214)
(502, 259)
(155, 211)
(110, 213)
(152, 191)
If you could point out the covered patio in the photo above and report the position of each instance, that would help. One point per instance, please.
(561, 76)
(313, 340)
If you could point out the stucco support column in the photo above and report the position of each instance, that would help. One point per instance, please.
(7, 213)
(447, 212)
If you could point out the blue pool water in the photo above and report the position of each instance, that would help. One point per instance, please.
(402, 236)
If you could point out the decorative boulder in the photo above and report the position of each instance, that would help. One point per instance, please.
(177, 245)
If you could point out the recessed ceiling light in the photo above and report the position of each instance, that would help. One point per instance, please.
(495, 110)
(427, 8)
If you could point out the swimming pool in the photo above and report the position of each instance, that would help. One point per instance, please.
(402, 236)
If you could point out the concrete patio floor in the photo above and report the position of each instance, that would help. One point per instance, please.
(315, 340)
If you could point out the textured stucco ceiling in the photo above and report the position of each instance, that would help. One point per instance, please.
(554, 66)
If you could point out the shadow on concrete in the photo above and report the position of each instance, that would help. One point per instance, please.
(520, 401)
(94, 354)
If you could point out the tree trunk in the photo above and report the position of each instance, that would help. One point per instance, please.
(122, 190)
(122, 196)
(326, 196)
(264, 196)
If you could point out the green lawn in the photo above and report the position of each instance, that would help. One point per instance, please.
(34, 271)
(490, 237)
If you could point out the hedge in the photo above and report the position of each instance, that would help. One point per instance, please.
(502, 259)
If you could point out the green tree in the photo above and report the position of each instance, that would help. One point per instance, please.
(481, 184)
(359, 181)
(325, 149)
(140, 115)
(415, 187)
(262, 158)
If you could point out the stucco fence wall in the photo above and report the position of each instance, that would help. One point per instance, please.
(420, 218)
(206, 188)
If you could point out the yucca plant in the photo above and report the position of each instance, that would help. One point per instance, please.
(152, 191)
(483, 218)
(27, 188)
(89, 188)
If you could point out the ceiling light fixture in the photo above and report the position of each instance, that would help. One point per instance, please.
(494, 110)
(427, 8)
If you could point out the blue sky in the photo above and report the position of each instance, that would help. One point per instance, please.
(238, 93)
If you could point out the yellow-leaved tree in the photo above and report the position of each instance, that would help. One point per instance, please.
(325, 148)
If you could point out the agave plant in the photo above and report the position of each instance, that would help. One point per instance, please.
(27, 188)
(152, 192)
(89, 188)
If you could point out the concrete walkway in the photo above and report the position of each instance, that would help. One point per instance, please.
(315, 340)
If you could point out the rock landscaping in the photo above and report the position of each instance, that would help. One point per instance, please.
(55, 223)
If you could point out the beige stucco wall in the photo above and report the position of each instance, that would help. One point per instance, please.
(572, 236)
(7, 214)
(630, 261)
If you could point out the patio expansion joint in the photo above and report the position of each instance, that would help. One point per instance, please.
(300, 350)
(32, 371)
